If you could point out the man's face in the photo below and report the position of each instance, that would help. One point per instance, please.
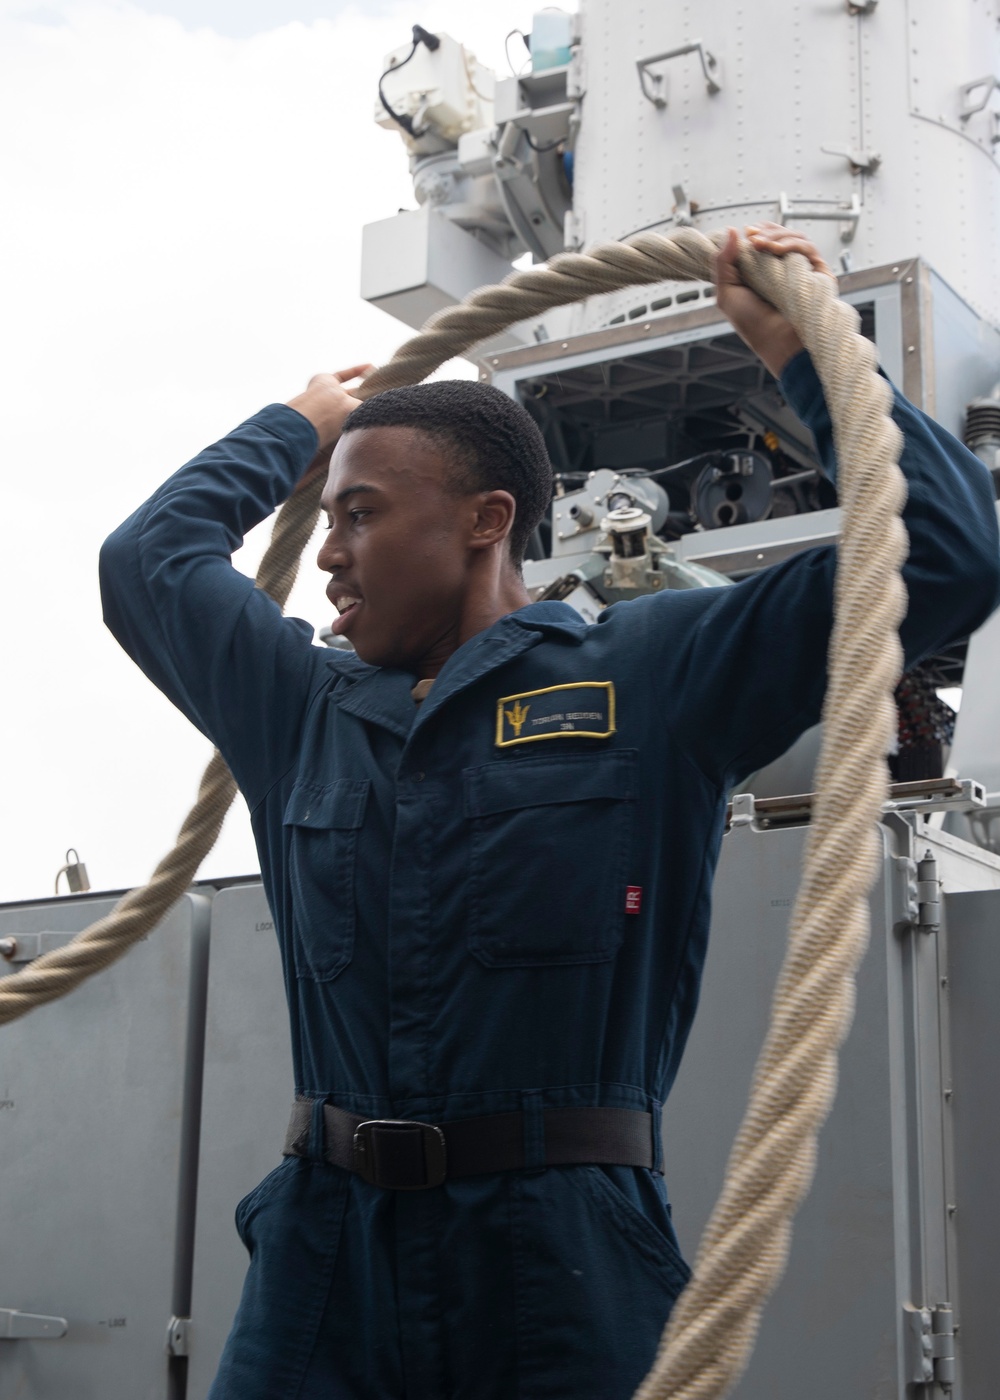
(397, 547)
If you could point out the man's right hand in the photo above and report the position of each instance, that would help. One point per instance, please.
(327, 403)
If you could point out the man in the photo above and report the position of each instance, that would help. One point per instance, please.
(488, 841)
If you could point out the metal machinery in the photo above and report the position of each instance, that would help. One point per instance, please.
(876, 127)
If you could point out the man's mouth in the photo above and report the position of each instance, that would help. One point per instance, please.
(346, 605)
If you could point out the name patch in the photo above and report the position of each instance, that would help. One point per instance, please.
(583, 710)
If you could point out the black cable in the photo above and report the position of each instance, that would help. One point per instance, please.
(540, 150)
(420, 36)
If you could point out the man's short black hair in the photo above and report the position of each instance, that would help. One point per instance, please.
(490, 443)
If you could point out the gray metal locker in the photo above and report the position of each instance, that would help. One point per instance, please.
(878, 1279)
(248, 1090)
(98, 1142)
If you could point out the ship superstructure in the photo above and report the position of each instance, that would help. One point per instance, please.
(134, 1114)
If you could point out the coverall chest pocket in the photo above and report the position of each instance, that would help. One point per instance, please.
(323, 821)
(550, 842)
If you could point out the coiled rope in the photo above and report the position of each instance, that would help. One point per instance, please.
(709, 1338)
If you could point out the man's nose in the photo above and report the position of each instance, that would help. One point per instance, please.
(332, 554)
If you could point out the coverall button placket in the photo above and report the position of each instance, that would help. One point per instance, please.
(430, 776)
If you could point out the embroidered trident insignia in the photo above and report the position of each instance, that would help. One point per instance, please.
(517, 716)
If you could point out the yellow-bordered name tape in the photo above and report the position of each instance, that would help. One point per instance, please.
(579, 710)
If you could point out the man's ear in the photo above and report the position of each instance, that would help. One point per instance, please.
(494, 517)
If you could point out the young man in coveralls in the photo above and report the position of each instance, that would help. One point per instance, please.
(488, 839)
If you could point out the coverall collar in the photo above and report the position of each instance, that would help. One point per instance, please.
(383, 696)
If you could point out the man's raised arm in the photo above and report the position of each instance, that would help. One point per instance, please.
(743, 670)
(217, 646)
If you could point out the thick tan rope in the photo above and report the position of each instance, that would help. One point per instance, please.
(708, 1341)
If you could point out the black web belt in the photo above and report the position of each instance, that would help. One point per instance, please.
(406, 1155)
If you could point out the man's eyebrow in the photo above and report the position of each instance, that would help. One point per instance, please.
(360, 489)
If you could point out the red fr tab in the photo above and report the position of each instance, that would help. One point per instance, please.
(633, 899)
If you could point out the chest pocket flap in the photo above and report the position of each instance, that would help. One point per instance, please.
(340, 804)
(323, 820)
(550, 856)
(546, 782)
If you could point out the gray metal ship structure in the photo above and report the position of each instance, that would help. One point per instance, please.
(135, 1113)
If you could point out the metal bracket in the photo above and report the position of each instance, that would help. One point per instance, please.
(683, 213)
(930, 795)
(16, 1326)
(654, 85)
(573, 236)
(177, 1336)
(25, 947)
(982, 823)
(802, 209)
(576, 77)
(903, 884)
(938, 795)
(743, 809)
(862, 7)
(861, 162)
(969, 106)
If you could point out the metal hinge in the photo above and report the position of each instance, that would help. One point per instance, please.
(917, 891)
(930, 1344)
(928, 894)
(177, 1336)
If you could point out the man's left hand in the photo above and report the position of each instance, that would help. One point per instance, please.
(768, 333)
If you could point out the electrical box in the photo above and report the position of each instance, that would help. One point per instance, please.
(444, 91)
(419, 262)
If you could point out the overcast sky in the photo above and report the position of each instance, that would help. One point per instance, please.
(184, 186)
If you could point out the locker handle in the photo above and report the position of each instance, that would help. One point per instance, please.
(16, 1325)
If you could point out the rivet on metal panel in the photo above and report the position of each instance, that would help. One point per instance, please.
(647, 327)
(907, 280)
(911, 349)
(565, 345)
(496, 362)
(8, 947)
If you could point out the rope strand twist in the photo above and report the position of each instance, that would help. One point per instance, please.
(710, 1336)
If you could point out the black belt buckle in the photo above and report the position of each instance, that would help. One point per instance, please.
(400, 1154)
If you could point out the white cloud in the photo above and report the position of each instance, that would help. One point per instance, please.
(182, 245)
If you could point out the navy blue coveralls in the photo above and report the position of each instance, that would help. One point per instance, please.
(458, 915)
